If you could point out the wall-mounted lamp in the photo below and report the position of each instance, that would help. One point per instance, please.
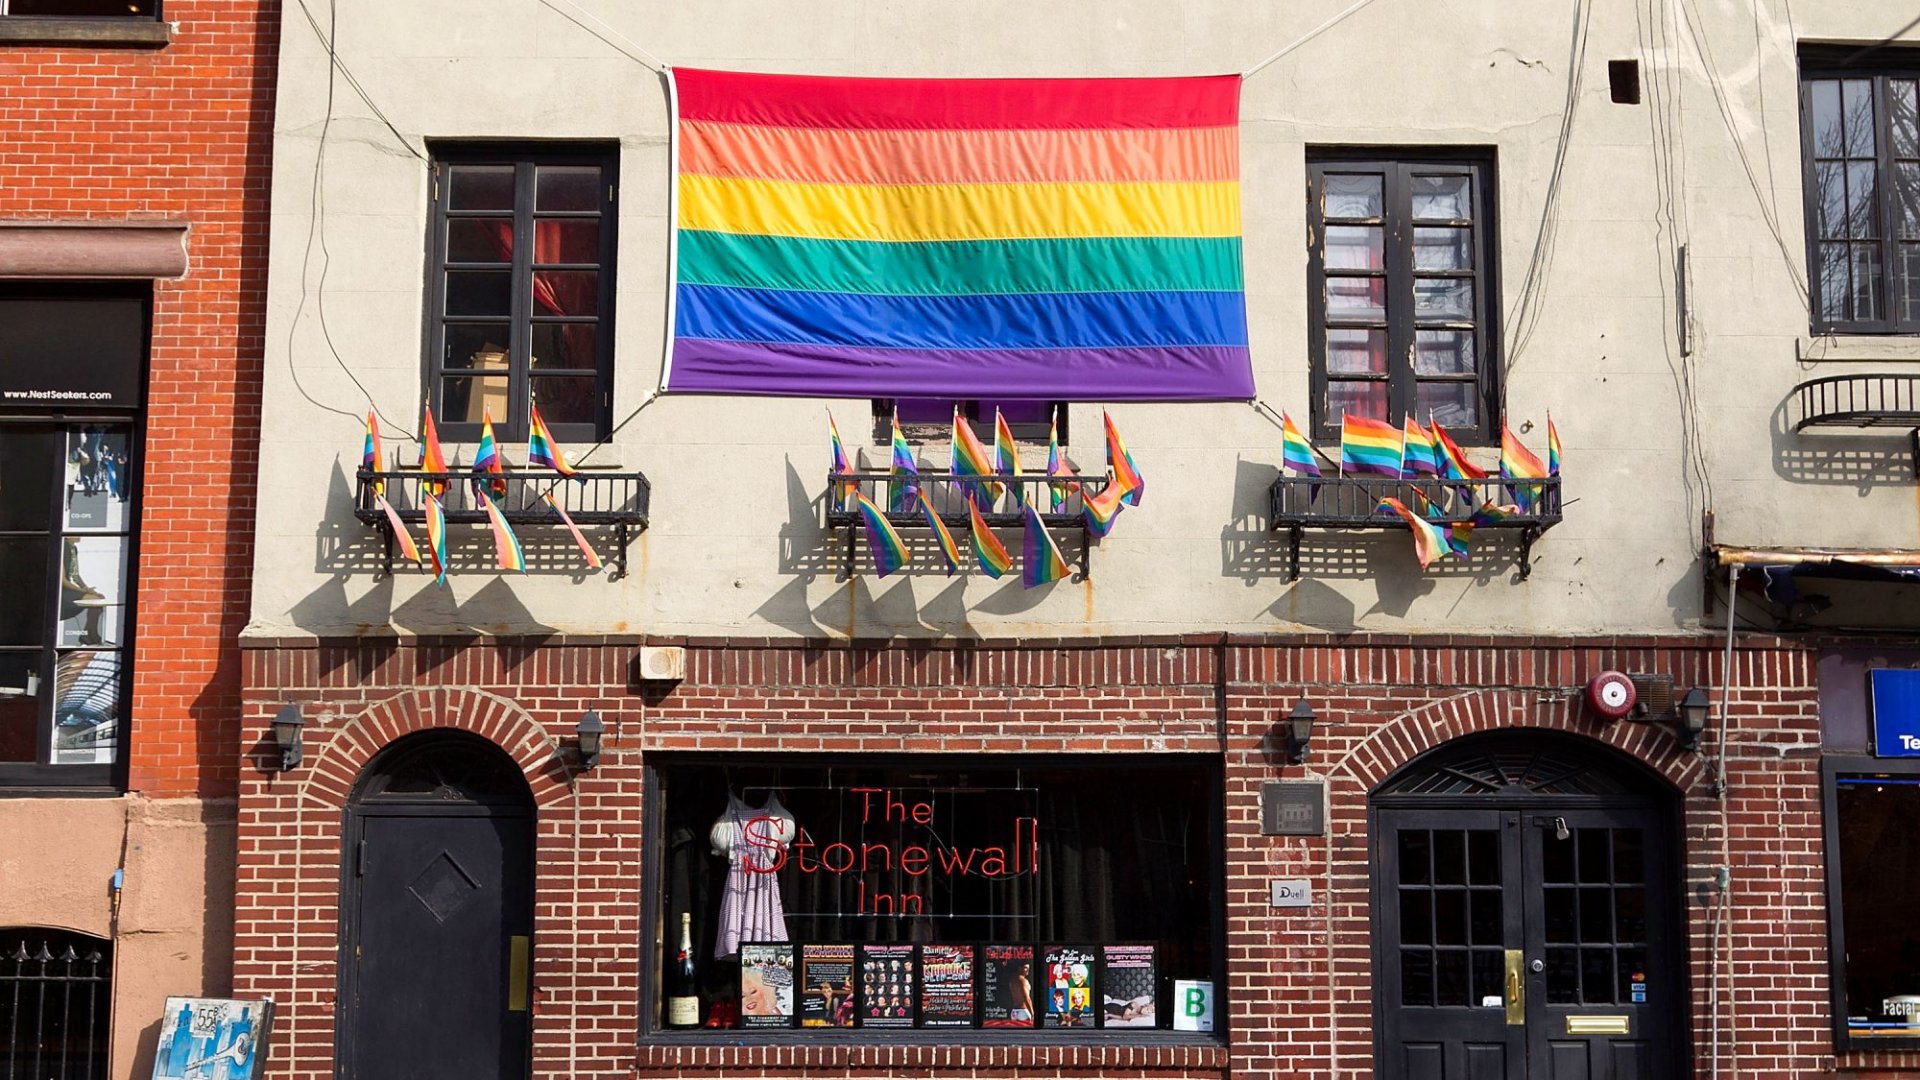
(1690, 719)
(592, 733)
(286, 735)
(1297, 733)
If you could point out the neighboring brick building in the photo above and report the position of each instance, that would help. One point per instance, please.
(134, 162)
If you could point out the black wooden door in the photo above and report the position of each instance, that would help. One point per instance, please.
(1526, 941)
(438, 939)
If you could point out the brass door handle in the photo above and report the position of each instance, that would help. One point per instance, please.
(1516, 989)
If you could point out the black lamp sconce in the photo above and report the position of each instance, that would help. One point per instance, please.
(592, 733)
(1689, 719)
(1293, 735)
(286, 735)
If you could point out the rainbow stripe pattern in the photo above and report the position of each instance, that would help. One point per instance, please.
(486, 461)
(579, 539)
(506, 546)
(432, 458)
(1040, 560)
(541, 449)
(1067, 239)
(949, 551)
(1100, 509)
(1458, 535)
(1126, 475)
(1057, 466)
(889, 551)
(1296, 452)
(1519, 463)
(970, 459)
(1369, 446)
(1006, 456)
(1422, 455)
(1553, 447)
(987, 548)
(1428, 543)
(370, 452)
(903, 493)
(436, 536)
(372, 460)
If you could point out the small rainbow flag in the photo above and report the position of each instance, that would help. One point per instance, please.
(903, 493)
(1040, 562)
(1553, 447)
(1428, 543)
(987, 548)
(1422, 457)
(1057, 466)
(1456, 533)
(486, 460)
(970, 459)
(586, 549)
(541, 449)
(949, 551)
(841, 465)
(1489, 514)
(1125, 473)
(1369, 446)
(1519, 463)
(1006, 457)
(437, 537)
(1296, 453)
(432, 458)
(506, 546)
(1101, 508)
(889, 551)
(370, 452)
(372, 460)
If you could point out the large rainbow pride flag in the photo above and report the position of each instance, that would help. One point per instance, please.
(1014, 238)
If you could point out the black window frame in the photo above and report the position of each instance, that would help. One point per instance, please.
(524, 158)
(976, 415)
(1397, 166)
(1832, 767)
(1879, 66)
(84, 982)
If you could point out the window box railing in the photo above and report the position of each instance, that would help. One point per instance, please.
(619, 500)
(1353, 502)
(1858, 401)
(945, 491)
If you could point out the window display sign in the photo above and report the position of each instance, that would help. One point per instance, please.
(1070, 975)
(886, 986)
(72, 352)
(1896, 713)
(1127, 986)
(826, 986)
(946, 986)
(1006, 986)
(204, 1038)
(766, 985)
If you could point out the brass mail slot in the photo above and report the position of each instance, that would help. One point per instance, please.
(519, 946)
(1596, 1025)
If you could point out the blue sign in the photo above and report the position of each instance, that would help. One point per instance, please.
(1896, 712)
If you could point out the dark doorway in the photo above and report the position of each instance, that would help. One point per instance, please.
(1526, 915)
(437, 914)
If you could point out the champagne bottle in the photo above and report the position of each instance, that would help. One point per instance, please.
(683, 981)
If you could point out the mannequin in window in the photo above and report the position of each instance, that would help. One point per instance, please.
(754, 842)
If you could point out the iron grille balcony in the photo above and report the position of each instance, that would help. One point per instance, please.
(945, 492)
(619, 500)
(1859, 401)
(1352, 502)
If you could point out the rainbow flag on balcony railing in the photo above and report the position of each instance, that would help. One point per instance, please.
(1063, 239)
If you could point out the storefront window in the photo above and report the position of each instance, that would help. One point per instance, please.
(935, 893)
(1875, 855)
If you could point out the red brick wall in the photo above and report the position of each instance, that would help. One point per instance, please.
(1298, 982)
(179, 133)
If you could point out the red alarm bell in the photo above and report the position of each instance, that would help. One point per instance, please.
(1611, 694)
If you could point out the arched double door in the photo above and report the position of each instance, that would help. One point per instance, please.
(1527, 920)
(437, 914)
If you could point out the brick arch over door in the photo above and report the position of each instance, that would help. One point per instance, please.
(339, 756)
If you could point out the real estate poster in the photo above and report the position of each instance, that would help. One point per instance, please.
(1006, 986)
(209, 1037)
(885, 992)
(946, 986)
(826, 985)
(1127, 986)
(766, 985)
(1069, 971)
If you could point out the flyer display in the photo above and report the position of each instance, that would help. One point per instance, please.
(946, 986)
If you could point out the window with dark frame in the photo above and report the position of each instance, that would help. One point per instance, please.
(1401, 285)
(81, 9)
(520, 289)
(931, 419)
(56, 996)
(1873, 856)
(1860, 136)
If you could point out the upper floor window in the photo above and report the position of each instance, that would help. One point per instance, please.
(520, 289)
(1860, 131)
(931, 419)
(1401, 290)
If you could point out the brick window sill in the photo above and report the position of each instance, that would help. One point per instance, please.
(86, 33)
(724, 1054)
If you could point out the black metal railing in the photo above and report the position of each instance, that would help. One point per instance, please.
(617, 500)
(1353, 502)
(1858, 401)
(54, 1005)
(948, 494)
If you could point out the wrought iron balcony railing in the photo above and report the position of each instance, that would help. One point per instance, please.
(1858, 401)
(619, 500)
(945, 492)
(1353, 502)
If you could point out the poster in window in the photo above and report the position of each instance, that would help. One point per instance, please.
(86, 707)
(766, 985)
(826, 986)
(1006, 986)
(885, 992)
(212, 1039)
(97, 484)
(1127, 986)
(1070, 986)
(92, 595)
(946, 986)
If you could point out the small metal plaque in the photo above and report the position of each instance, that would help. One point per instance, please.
(1292, 892)
(1293, 808)
(1597, 1025)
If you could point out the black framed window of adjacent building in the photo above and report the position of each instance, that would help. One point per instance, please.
(81, 9)
(1873, 858)
(1860, 138)
(520, 288)
(72, 369)
(1402, 289)
(931, 419)
(56, 993)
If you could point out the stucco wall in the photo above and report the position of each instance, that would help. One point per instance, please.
(735, 544)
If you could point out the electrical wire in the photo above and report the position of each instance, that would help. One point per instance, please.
(637, 54)
(1526, 309)
(1299, 41)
